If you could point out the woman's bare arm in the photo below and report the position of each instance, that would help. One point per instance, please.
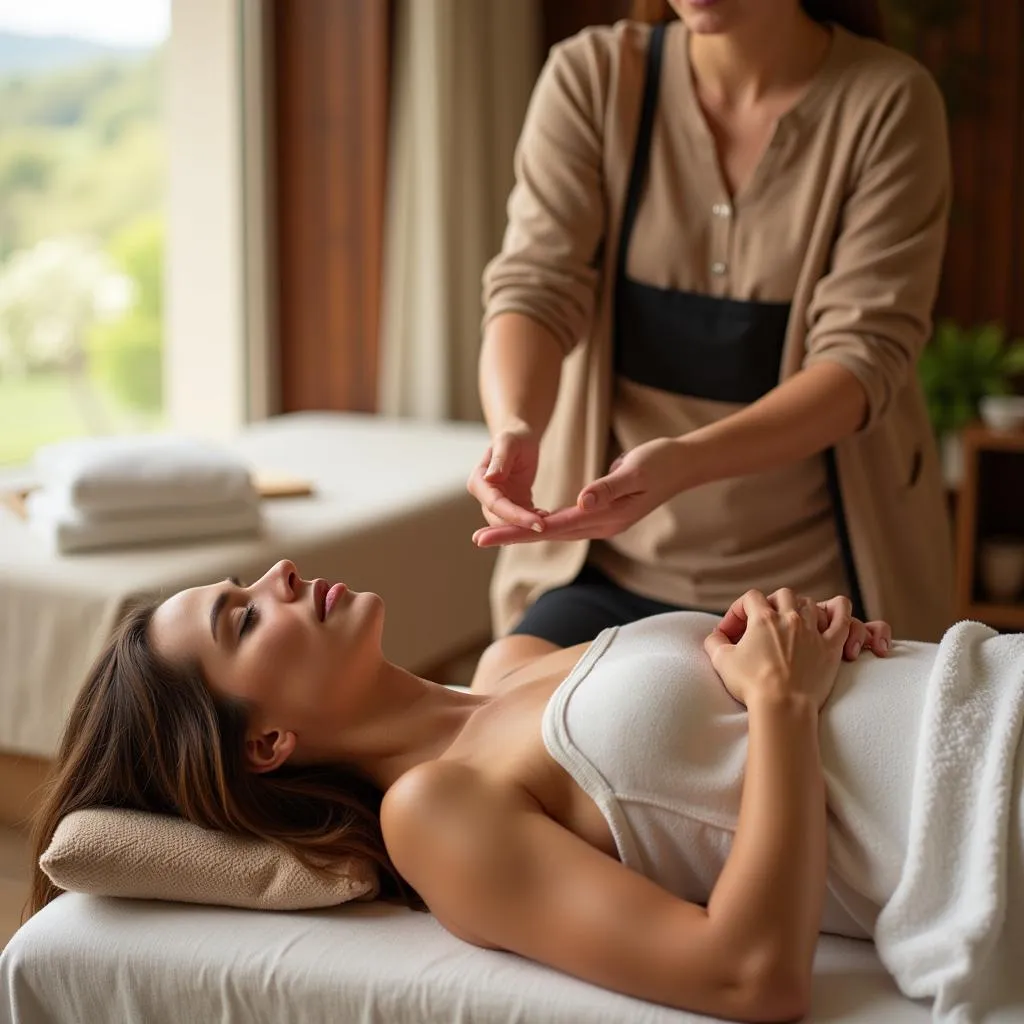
(497, 871)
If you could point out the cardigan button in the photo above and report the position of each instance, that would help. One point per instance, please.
(718, 269)
(722, 210)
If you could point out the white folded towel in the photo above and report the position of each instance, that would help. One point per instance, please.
(104, 475)
(68, 530)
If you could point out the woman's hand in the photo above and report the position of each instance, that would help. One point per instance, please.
(876, 635)
(503, 482)
(637, 483)
(781, 653)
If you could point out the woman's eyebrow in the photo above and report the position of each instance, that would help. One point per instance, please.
(215, 609)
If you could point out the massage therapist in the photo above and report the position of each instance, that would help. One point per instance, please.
(698, 365)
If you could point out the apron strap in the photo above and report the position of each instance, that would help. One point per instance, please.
(638, 174)
(843, 535)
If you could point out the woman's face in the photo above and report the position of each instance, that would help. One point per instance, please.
(299, 652)
(710, 17)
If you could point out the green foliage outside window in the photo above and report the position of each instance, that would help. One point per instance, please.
(126, 353)
(82, 169)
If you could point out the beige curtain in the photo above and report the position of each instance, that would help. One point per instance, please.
(463, 71)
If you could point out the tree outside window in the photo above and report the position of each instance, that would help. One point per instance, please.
(82, 168)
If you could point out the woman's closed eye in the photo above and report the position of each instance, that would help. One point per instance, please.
(250, 616)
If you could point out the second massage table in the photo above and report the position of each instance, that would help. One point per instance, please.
(389, 512)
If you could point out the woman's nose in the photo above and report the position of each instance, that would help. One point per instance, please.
(283, 580)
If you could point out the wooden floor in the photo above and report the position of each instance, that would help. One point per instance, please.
(14, 880)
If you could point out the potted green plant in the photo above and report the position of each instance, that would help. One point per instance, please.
(959, 367)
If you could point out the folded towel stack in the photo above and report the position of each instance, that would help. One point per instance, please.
(115, 491)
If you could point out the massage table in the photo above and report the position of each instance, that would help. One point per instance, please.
(389, 512)
(86, 960)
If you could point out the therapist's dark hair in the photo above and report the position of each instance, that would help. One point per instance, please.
(149, 735)
(862, 17)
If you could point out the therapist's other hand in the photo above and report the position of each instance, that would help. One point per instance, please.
(781, 653)
(638, 482)
(503, 481)
(875, 636)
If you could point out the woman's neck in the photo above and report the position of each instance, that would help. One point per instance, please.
(406, 720)
(742, 67)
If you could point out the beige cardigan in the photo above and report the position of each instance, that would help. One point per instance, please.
(874, 208)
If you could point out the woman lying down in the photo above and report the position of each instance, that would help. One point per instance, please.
(673, 811)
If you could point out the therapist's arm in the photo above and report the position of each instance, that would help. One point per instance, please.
(520, 368)
(802, 416)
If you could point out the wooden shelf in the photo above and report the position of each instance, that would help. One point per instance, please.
(979, 441)
(1000, 616)
(981, 438)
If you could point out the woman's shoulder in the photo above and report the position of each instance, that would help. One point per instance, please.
(870, 72)
(419, 800)
(608, 44)
(599, 56)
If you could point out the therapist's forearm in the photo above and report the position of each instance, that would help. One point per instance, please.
(802, 416)
(520, 368)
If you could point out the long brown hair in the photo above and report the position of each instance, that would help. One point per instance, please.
(149, 735)
(862, 17)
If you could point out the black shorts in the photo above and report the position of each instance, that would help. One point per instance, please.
(577, 612)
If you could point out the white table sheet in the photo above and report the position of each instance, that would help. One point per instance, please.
(390, 513)
(90, 959)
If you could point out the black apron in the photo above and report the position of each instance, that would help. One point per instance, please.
(703, 346)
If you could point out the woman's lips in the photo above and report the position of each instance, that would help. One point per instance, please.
(332, 595)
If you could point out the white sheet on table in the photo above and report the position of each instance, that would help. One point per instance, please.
(91, 959)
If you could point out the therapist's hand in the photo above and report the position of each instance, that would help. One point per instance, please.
(638, 482)
(875, 636)
(503, 481)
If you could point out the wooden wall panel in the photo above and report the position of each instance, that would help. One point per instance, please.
(330, 61)
(563, 18)
(983, 277)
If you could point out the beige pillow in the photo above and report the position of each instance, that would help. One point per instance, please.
(108, 852)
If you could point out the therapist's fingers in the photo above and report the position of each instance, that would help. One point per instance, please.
(512, 516)
(495, 465)
(616, 484)
(563, 524)
(501, 457)
(497, 506)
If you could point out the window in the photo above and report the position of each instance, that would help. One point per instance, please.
(82, 236)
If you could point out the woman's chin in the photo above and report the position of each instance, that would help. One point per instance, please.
(707, 23)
